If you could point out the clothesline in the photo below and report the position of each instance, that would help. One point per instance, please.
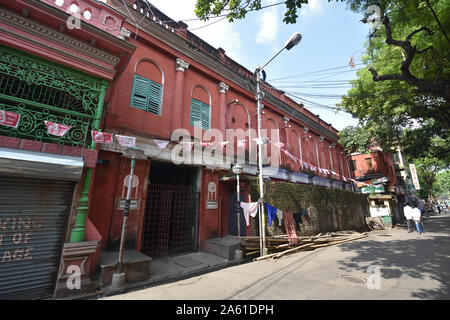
(103, 137)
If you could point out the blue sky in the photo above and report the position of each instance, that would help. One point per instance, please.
(331, 35)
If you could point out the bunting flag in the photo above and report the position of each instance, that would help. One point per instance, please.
(9, 119)
(242, 143)
(278, 144)
(126, 141)
(187, 145)
(101, 137)
(313, 168)
(205, 144)
(56, 129)
(162, 144)
(258, 141)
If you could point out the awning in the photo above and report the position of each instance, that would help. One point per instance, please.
(40, 165)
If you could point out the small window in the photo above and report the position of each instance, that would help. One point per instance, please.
(200, 112)
(369, 163)
(354, 168)
(146, 95)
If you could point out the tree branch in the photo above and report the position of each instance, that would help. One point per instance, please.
(439, 89)
(437, 20)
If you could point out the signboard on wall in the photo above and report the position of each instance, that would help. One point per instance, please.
(415, 178)
(211, 202)
(375, 189)
(134, 204)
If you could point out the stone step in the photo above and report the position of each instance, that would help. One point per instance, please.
(223, 247)
(136, 266)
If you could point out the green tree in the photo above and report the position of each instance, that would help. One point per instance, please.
(442, 185)
(428, 168)
(406, 80)
(238, 9)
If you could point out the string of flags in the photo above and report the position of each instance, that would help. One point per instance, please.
(11, 119)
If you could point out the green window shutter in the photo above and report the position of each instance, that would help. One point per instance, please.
(200, 112)
(205, 116)
(154, 99)
(139, 94)
(146, 95)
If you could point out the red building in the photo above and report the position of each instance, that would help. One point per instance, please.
(375, 173)
(57, 60)
(173, 79)
(191, 109)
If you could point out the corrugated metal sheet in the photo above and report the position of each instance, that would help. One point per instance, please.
(33, 217)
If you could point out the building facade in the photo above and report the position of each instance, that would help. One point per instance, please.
(376, 175)
(192, 110)
(57, 60)
(129, 70)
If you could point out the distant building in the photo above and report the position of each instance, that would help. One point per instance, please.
(376, 175)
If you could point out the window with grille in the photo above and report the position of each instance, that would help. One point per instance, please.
(200, 114)
(146, 95)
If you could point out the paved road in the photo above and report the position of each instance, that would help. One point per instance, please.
(409, 265)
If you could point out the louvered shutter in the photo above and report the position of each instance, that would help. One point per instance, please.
(196, 111)
(154, 98)
(205, 116)
(33, 214)
(139, 95)
(200, 112)
(146, 95)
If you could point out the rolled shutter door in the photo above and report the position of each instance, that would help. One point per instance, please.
(33, 219)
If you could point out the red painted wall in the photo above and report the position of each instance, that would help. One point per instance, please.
(381, 162)
(109, 187)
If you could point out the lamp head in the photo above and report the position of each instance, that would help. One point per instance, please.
(293, 41)
(237, 169)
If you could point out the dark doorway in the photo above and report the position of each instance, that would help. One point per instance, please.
(171, 213)
(232, 218)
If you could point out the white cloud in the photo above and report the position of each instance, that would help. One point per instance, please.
(312, 8)
(269, 26)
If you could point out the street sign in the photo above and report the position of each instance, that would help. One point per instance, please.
(370, 189)
(134, 204)
(414, 176)
(381, 180)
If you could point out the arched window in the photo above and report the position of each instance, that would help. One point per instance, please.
(200, 108)
(148, 86)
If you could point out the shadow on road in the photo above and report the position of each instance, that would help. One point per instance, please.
(419, 256)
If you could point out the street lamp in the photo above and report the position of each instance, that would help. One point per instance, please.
(292, 41)
(118, 279)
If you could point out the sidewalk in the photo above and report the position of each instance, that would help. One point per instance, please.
(171, 269)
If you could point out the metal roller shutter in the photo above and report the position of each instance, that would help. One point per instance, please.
(33, 218)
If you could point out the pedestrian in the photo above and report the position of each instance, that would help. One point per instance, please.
(407, 213)
(417, 219)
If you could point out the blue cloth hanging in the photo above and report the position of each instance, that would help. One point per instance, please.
(271, 213)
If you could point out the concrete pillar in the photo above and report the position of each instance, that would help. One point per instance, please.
(178, 112)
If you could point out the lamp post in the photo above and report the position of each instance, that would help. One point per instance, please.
(293, 40)
(118, 280)
(237, 170)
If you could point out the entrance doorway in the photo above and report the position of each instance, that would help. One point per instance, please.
(171, 213)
